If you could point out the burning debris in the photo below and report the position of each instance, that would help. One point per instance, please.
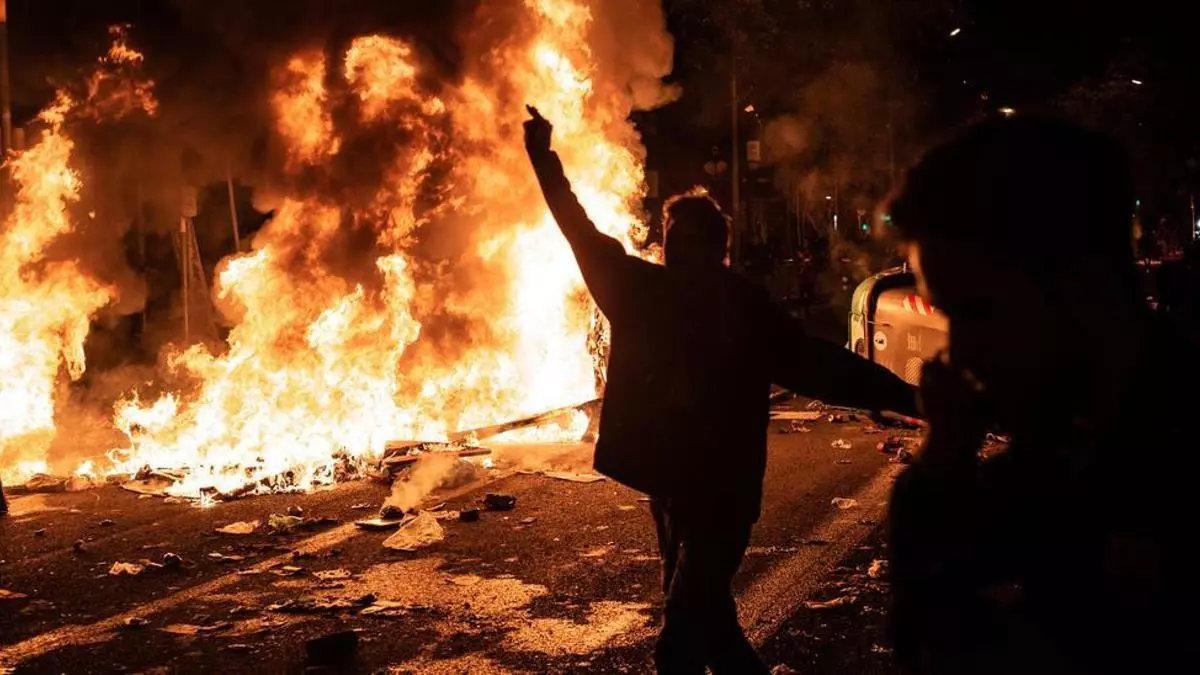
(408, 283)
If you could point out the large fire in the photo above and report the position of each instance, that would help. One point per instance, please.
(428, 294)
(46, 303)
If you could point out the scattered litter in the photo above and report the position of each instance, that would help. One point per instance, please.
(239, 647)
(573, 477)
(215, 555)
(842, 444)
(419, 532)
(281, 524)
(153, 482)
(381, 523)
(6, 594)
(784, 669)
(880, 649)
(320, 606)
(193, 629)
(107, 522)
(295, 510)
(170, 561)
(871, 429)
(842, 461)
(499, 502)
(120, 569)
(840, 601)
(598, 552)
(844, 503)
(42, 482)
(902, 456)
(468, 515)
(445, 515)
(385, 608)
(877, 569)
(241, 527)
(527, 521)
(332, 575)
(390, 512)
(797, 415)
(332, 649)
(891, 444)
(40, 532)
(626, 507)
(134, 623)
(362, 506)
(287, 571)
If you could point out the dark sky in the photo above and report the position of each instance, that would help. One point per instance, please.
(1023, 53)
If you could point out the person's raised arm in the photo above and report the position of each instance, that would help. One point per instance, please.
(600, 257)
(813, 367)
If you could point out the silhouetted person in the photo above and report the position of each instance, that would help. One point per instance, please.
(1069, 550)
(3, 501)
(695, 348)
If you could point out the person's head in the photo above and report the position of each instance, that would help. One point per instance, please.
(697, 232)
(1018, 230)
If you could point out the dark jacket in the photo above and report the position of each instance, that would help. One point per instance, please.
(1072, 551)
(693, 356)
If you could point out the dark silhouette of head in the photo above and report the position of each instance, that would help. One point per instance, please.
(1020, 231)
(697, 232)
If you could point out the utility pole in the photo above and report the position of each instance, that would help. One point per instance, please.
(233, 219)
(5, 94)
(735, 173)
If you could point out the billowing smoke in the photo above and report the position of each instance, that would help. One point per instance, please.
(834, 153)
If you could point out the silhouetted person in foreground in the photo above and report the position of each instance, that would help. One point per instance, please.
(695, 348)
(3, 501)
(1070, 550)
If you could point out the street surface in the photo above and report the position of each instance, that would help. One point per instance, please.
(567, 581)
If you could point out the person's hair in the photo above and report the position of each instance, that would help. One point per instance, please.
(697, 231)
(1031, 192)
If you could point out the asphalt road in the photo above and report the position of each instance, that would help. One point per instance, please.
(565, 582)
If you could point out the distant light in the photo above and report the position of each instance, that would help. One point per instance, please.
(1137, 82)
(864, 227)
(1007, 111)
(749, 108)
(828, 197)
(955, 32)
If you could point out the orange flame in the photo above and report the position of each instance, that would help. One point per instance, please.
(334, 352)
(45, 304)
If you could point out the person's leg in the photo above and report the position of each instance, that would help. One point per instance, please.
(668, 543)
(677, 651)
(703, 589)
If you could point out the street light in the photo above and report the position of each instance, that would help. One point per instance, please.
(955, 32)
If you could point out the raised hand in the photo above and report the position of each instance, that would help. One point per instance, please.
(537, 133)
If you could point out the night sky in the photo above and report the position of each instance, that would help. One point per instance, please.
(1076, 58)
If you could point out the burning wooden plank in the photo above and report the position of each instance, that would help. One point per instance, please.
(534, 420)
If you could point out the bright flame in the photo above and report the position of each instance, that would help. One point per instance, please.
(411, 282)
(46, 304)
